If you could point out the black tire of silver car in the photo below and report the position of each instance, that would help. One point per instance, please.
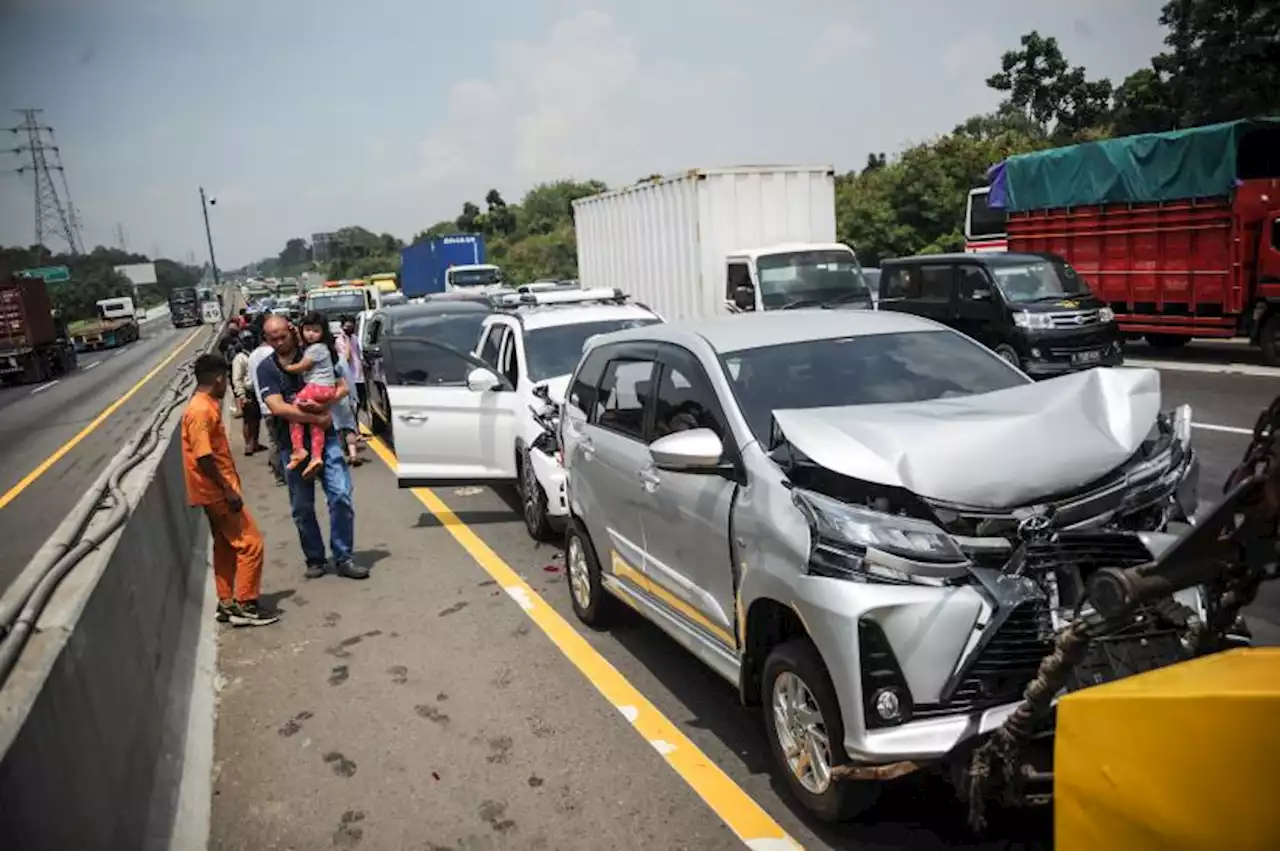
(591, 603)
(533, 501)
(1010, 354)
(798, 659)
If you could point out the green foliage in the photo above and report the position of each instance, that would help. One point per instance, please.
(93, 277)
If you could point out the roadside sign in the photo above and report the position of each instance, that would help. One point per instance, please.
(50, 274)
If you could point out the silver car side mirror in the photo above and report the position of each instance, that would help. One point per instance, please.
(697, 450)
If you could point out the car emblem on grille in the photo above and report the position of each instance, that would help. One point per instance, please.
(1034, 526)
(1079, 318)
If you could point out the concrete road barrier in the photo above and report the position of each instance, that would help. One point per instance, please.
(94, 714)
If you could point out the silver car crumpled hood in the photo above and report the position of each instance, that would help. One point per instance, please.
(995, 450)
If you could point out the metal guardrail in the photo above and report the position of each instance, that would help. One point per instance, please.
(43, 574)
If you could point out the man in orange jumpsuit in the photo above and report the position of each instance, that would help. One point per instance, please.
(214, 485)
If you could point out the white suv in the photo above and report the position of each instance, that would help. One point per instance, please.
(500, 428)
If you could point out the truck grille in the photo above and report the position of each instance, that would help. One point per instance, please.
(1074, 319)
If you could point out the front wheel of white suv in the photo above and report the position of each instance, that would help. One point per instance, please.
(533, 501)
(806, 732)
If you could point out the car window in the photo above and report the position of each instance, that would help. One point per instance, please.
(555, 350)
(492, 344)
(894, 283)
(509, 361)
(685, 399)
(586, 381)
(416, 363)
(875, 369)
(973, 278)
(935, 283)
(738, 276)
(624, 392)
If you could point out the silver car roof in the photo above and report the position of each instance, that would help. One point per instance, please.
(771, 328)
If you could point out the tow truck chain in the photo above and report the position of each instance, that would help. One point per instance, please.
(997, 762)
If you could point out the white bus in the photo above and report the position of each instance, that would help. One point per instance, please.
(984, 227)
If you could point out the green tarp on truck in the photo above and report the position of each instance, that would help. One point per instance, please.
(1202, 162)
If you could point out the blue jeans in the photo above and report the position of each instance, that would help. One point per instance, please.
(335, 478)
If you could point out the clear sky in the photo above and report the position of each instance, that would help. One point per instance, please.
(307, 116)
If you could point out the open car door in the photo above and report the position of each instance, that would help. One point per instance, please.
(453, 418)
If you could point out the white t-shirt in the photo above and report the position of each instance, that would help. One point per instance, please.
(256, 357)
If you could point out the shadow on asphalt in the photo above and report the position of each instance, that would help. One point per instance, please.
(918, 813)
(1206, 352)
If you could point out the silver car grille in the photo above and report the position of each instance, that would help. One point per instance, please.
(1075, 319)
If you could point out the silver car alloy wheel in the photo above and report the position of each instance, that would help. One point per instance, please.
(529, 485)
(579, 575)
(802, 732)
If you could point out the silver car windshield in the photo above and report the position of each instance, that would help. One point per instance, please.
(870, 370)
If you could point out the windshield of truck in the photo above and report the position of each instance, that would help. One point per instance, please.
(870, 370)
(183, 297)
(1021, 282)
(336, 304)
(805, 278)
(555, 351)
(474, 277)
(984, 221)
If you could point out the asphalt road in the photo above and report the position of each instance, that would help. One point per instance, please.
(423, 708)
(37, 421)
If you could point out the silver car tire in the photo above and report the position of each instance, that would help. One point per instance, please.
(795, 674)
(591, 603)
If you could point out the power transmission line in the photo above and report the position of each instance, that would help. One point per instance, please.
(55, 215)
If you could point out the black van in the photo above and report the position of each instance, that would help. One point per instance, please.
(1033, 310)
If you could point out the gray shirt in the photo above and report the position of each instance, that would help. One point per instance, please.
(321, 372)
(256, 357)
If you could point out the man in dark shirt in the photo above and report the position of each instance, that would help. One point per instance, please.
(278, 391)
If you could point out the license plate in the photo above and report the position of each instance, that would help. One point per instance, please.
(1078, 358)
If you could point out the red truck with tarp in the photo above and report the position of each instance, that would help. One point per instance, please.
(1178, 232)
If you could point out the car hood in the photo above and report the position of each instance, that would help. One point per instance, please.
(557, 388)
(994, 450)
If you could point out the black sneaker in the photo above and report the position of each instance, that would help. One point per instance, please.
(351, 570)
(315, 571)
(224, 611)
(248, 614)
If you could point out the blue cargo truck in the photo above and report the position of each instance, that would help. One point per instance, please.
(446, 263)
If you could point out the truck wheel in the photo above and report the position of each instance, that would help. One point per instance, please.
(1269, 337)
(1167, 341)
(805, 729)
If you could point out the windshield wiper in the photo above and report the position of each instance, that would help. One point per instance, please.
(799, 302)
(844, 298)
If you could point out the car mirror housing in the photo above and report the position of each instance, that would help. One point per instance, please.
(481, 380)
(697, 450)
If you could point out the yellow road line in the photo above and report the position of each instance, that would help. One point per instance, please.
(39, 471)
(736, 808)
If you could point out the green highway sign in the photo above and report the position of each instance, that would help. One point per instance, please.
(50, 274)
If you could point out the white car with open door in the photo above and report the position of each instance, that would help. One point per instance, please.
(499, 422)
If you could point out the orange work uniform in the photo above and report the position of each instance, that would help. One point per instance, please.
(238, 550)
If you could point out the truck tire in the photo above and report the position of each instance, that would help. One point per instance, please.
(1269, 337)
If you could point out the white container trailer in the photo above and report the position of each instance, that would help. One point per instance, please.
(711, 241)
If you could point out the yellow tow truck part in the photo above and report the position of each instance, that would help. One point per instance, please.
(1181, 758)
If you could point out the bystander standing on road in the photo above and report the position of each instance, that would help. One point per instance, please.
(213, 484)
(246, 398)
(256, 357)
(279, 389)
(349, 355)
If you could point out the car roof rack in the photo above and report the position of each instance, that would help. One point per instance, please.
(541, 297)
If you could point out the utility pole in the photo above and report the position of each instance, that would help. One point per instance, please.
(54, 212)
(121, 242)
(213, 263)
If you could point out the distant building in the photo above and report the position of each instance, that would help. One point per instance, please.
(322, 246)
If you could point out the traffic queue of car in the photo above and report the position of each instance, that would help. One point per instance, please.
(868, 522)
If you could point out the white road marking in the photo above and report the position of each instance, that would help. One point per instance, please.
(1222, 428)
(90, 366)
(1210, 368)
(44, 387)
(662, 747)
(630, 713)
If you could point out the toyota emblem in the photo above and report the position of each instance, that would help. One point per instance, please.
(1079, 318)
(1034, 525)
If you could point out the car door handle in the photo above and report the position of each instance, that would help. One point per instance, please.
(413, 418)
(649, 480)
(588, 449)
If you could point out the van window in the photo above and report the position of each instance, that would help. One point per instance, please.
(898, 282)
(624, 392)
(973, 278)
(585, 387)
(935, 283)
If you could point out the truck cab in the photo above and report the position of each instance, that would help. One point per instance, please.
(472, 276)
(794, 275)
(336, 302)
(116, 308)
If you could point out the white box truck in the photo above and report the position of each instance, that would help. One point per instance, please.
(722, 240)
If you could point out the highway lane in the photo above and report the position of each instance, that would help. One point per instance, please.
(36, 421)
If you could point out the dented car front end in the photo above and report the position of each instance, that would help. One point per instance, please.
(933, 613)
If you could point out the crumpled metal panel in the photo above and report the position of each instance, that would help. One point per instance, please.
(996, 450)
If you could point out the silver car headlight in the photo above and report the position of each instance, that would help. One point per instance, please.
(852, 542)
